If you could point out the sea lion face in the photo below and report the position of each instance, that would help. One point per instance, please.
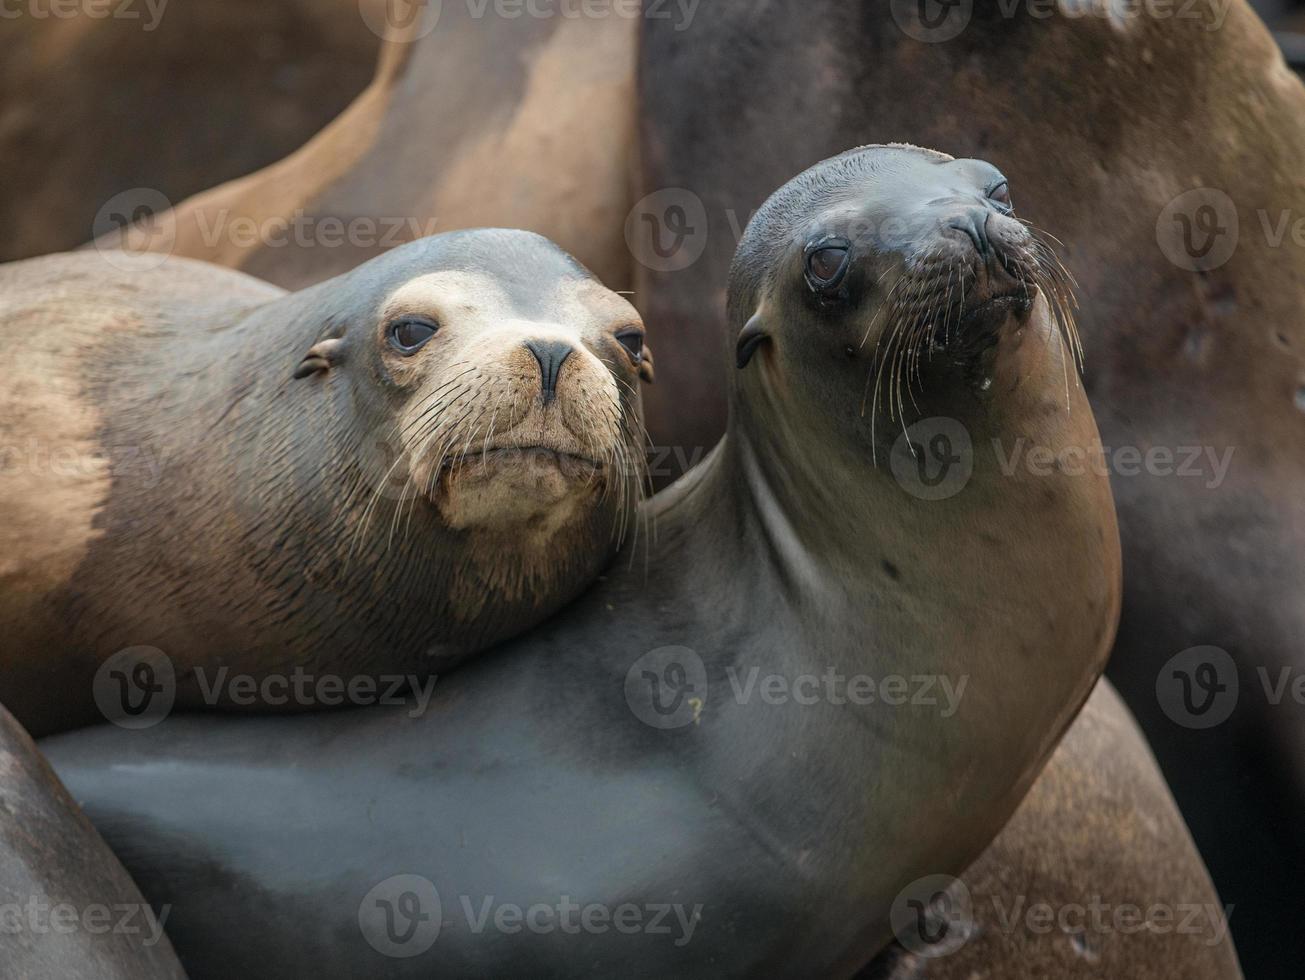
(878, 269)
(492, 392)
(515, 408)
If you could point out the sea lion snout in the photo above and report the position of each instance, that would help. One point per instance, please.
(550, 355)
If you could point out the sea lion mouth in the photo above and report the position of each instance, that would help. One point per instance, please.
(569, 464)
(988, 314)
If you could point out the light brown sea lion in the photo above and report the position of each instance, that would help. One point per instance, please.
(110, 96)
(67, 907)
(1103, 117)
(473, 119)
(373, 477)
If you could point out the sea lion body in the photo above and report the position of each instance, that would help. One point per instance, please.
(1094, 876)
(465, 115)
(218, 476)
(69, 908)
(1192, 312)
(224, 88)
(614, 757)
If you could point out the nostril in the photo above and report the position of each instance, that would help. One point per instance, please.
(550, 355)
(975, 224)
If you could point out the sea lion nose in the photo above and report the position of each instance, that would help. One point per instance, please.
(550, 354)
(974, 223)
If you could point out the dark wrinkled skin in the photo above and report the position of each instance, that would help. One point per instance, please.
(791, 825)
(51, 855)
(1097, 129)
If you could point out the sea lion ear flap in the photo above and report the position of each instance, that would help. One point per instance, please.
(646, 372)
(751, 337)
(323, 356)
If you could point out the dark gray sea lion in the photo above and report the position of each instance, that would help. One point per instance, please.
(1108, 118)
(210, 485)
(67, 907)
(740, 736)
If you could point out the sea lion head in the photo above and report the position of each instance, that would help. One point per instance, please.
(489, 386)
(891, 277)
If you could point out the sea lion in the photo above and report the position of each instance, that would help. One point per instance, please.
(524, 121)
(67, 907)
(139, 102)
(1103, 125)
(370, 478)
(1094, 876)
(695, 739)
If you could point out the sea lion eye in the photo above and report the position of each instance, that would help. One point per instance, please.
(632, 340)
(410, 334)
(1001, 195)
(826, 263)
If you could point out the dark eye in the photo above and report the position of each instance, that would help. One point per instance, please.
(632, 341)
(410, 334)
(1001, 194)
(826, 264)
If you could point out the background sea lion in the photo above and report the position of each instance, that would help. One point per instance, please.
(598, 761)
(376, 476)
(104, 97)
(1103, 124)
(1094, 876)
(69, 909)
(466, 113)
